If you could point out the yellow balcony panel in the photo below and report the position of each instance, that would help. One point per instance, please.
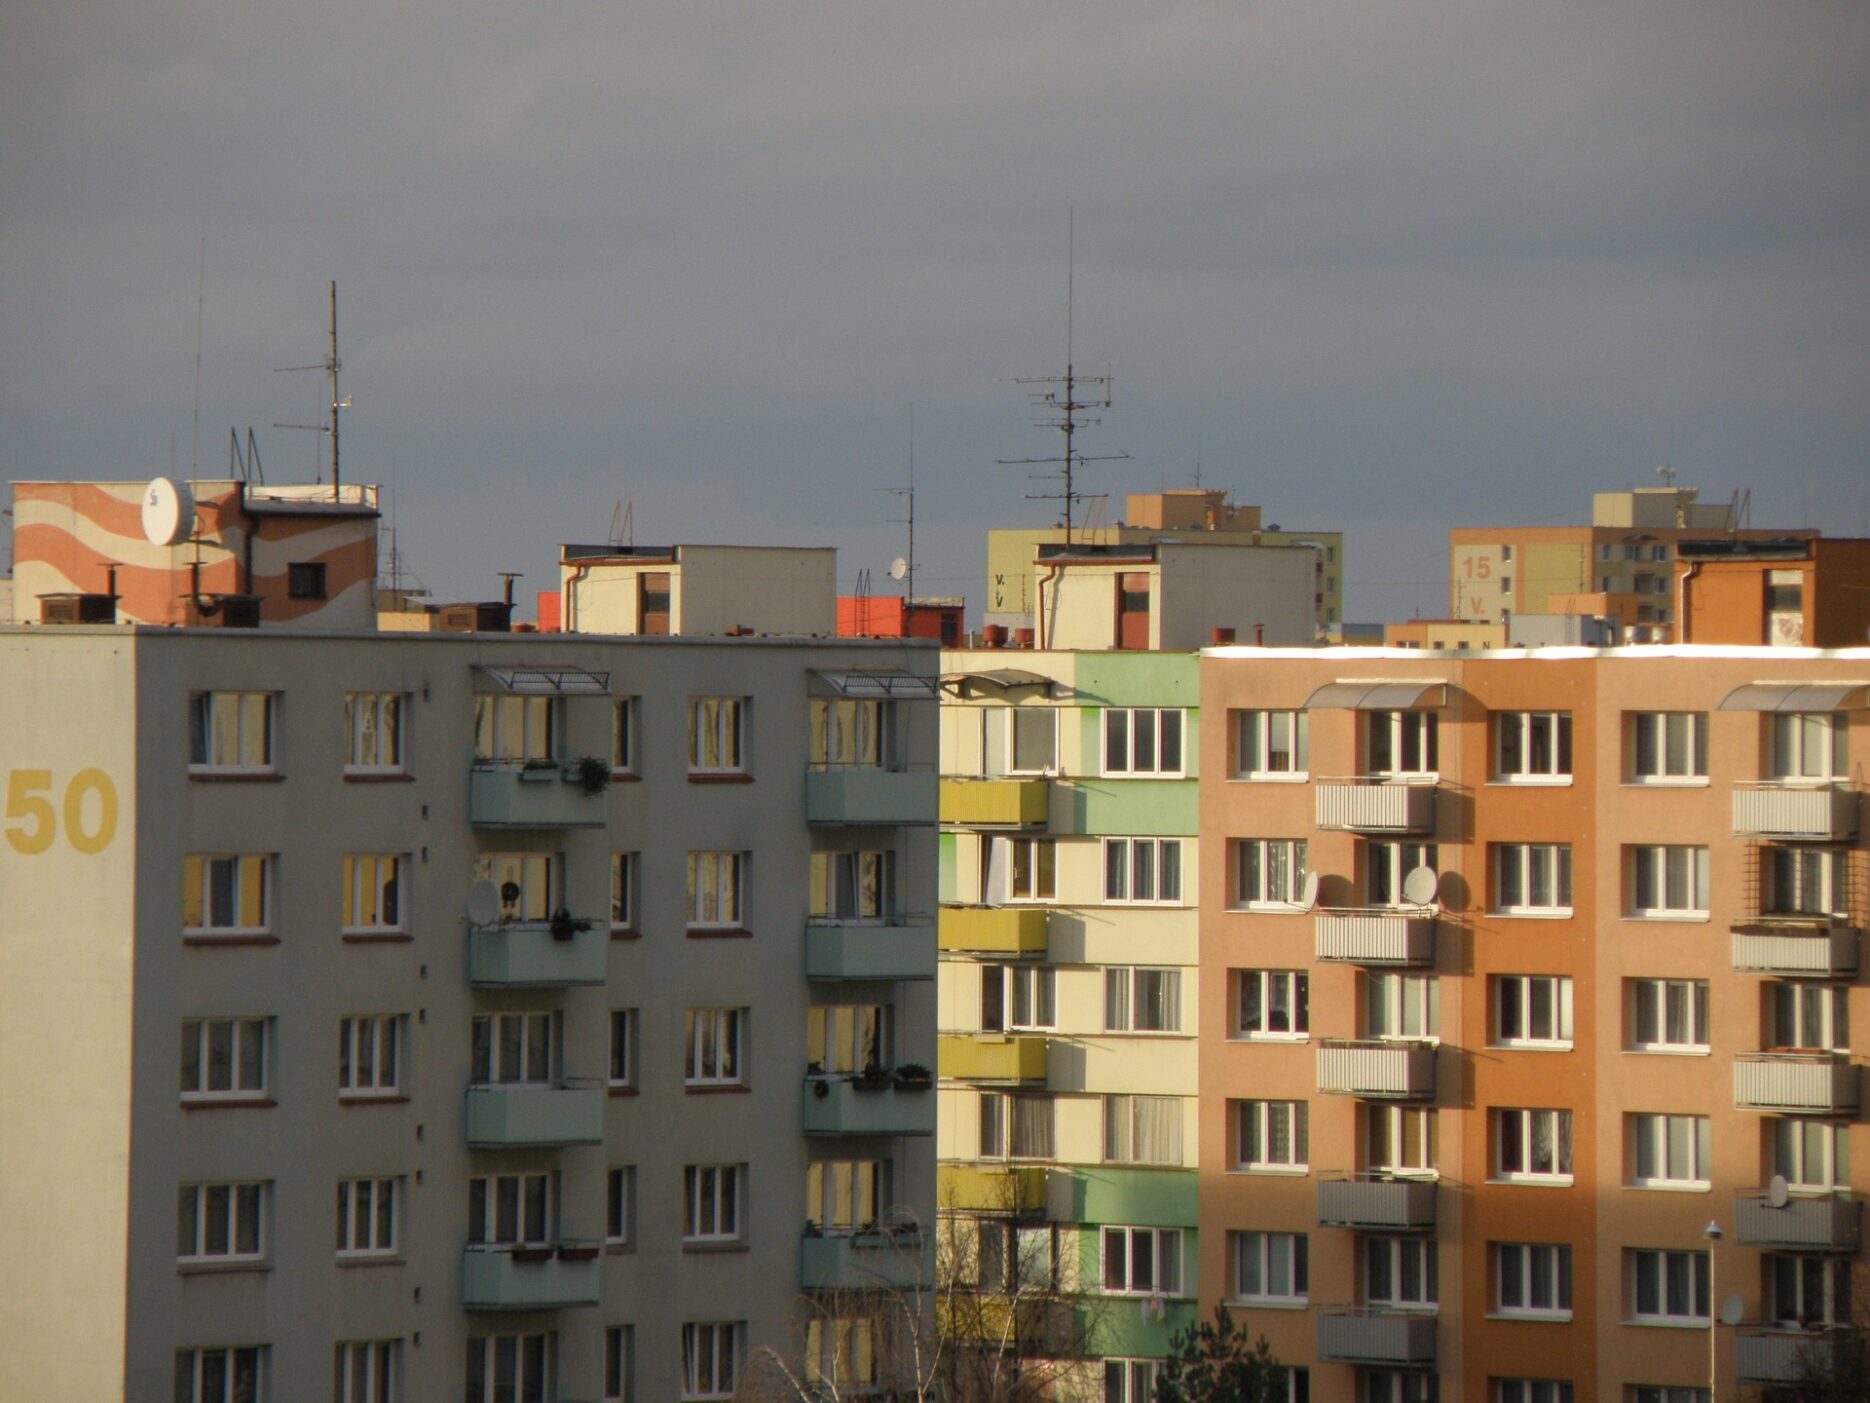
(974, 1190)
(991, 1057)
(992, 930)
(995, 803)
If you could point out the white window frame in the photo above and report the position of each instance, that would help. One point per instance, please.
(1806, 881)
(1397, 1386)
(1266, 1255)
(365, 733)
(540, 723)
(1161, 1275)
(240, 1033)
(201, 1208)
(1532, 1391)
(846, 1196)
(1793, 1143)
(530, 1191)
(1025, 996)
(1797, 1007)
(1125, 1118)
(1399, 1125)
(1038, 857)
(242, 1369)
(535, 1365)
(851, 733)
(718, 736)
(850, 885)
(1133, 866)
(620, 1206)
(717, 890)
(1272, 990)
(1402, 731)
(711, 1358)
(624, 735)
(1661, 1144)
(1522, 992)
(1516, 735)
(370, 1048)
(999, 1125)
(1269, 873)
(244, 712)
(198, 873)
(533, 1065)
(1807, 747)
(840, 1355)
(1255, 1126)
(1525, 866)
(1386, 862)
(624, 867)
(1537, 1265)
(1129, 1380)
(1127, 724)
(539, 880)
(714, 1203)
(1666, 1393)
(1665, 882)
(1650, 998)
(1128, 1005)
(621, 1072)
(1677, 746)
(716, 1047)
(1516, 1133)
(1255, 754)
(846, 1039)
(374, 882)
(362, 1232)
(1818, 1288)
(1649, 1270)
(368, 1371)
(1409, 1002)
(1010, 720)
(1413, 1267)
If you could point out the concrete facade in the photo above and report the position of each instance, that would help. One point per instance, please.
(699, 590)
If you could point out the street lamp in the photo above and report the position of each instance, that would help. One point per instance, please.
(1712, 1232)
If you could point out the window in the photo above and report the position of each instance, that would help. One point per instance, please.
(1667, 881)
(230, 731)
(714, 1042)
(717, 735)
(1269, 872)
(1669, 1287)
(514, 730)
(1532, 745)
(1802, 881)
(1400, 1273)
(852, 886)
(652, 602)
(373, 727)
(528, 884)
(1386, 864)
(1143, 870)
(1668, 747)
(1143, 1130)
(226, 895)
(620, 1364)
(1130, 1380)
(710, 1356)
(1271, 1135)
(1533, 1278)
(512, 1368)
(623, 868)
(849, 731)
(716, 890)
(1143, 1261)
(1270, 1266)
(367, 1217)
(840, 1354)
(1017, 997)
(1809, 1016)
(1532, 1391)
(845, 1038)
(368, 1371)
(512, 1210)
(1532, 1010)
(1532, 878)
(220, 1223)
(1019, 1127)
(1667, 1393)
(1271, 744)
(1399, 1140)
(622, 1047)
(620, 1206)
(510, 1049)
(1397, 1386)
(373, 887)
(623, 735)
(1668, 1015)
(305, 579)
(845, 1195)
(1402, 1005)
(1669, 1151)
(1034, 735)
(1804, 1292)
(1030, 867)
(224, 1059)
(1532, 1145)
(1009, 1255)
(224, 1375)
(1143, 741)
(369, 1048)
(1400, 744)
(1142, 1000)
(1809, 745)
(1272, 1003)
(1812, 1154)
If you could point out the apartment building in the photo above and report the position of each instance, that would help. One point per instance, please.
(439, 1016)
(1519, 969)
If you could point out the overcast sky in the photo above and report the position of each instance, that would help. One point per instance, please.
(1377, 266)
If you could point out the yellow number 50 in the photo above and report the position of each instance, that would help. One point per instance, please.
(38, 824)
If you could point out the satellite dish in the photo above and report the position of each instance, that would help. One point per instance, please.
(1308, 893)
(898, 568)
(168, 512)
(1420, 885)
(1732, 1309)
(1777, 1194)
(483, 904)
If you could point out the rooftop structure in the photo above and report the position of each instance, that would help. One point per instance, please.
(698, 591)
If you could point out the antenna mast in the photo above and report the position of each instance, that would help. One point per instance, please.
(330, 365)
(909, 494)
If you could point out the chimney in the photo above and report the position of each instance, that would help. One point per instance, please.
(1220, 637)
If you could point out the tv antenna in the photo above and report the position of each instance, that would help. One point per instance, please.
(1067, 403)
(330, 365)
(908, 562)
(1667, 474)
(623, 523)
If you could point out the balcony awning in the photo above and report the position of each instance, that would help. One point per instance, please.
(892, 686)
(542, 681)
(996, 682)
(1798, 696)
(1379, 696)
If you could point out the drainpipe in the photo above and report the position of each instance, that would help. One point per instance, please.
(1039, 603)
(568, 603)
(1681, 606)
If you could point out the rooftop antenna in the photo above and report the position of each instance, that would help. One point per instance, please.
(244, 465)
(330, 365)
(1667, 474)
(908, 575)
(201, 291)
(1063, 401)
(623, 523)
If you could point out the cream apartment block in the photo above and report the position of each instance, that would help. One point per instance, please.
(485, 1016)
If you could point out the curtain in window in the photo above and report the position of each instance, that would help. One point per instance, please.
(1032, 1127)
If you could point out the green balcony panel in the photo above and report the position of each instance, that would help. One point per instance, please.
(509, 796)
(1142, 807)
(1121, 1327)
(512, 1116)
(993, 930)
(865, 1262)
(530, 956)
(836, 950)
(991, 1057)
(836, 1106)
(996, 803)
(971, 1189)
(545, 1278)
(862, 794)
(1158, 1198)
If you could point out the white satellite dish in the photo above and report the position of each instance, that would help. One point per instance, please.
(483, 904)
(1420, 885)
(1732, 1309)
(1308, 892)
(898, 568)
(1777, 1192)
(168, 512)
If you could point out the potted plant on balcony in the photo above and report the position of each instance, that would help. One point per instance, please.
(872, 1078)
(565, 925)
(538, 768)
(533, 1251)
(592, 773)
(913, 1076)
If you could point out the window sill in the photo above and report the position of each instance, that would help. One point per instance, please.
(1271, 1302)
(1532, 1181)
(737, 1245)
(1278, 1171)
(1271, 777)
(365, 1098)
(624, 1091)
(737, 1089)
(1655, 1322)
(1533, 913)
(378, 777)
(1529, 1047)
(254, 939)
(625, 777)
(236, 776)
(215, 1268)
(376, 937)
(721, 777)
(1669, 1051)
(1269, 908)
(1668, 1186)
(1540, 1317)
(1691, 782)
(718, 933)
(231, 1103)
(1272, 1039)
(1530, 782)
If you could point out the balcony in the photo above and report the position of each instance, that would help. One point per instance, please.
(970, 1189)
(841, 1106)
(545, 1114)
(991, 1057)
(903, 948)
(1819, 1083)
(1374, 1204)
(1368, 805)
(530, 1278)
(996, 803)
(1781, 1356)
(1380, 1070)
(1818, 951)
(1813, 1223)
(867, 794)
(1800, 813)
(531, 956)
(1374, 938)
(1347, 1336)
(533, 796)
(866, 1261)
(992, 930)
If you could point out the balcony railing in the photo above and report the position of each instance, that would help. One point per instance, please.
(996, 803)
(1820, 1083)
(506, 1115)
(849, 1106)
(992, 1057)
(1817, 951)
(993, 930)
(1367, 1202)
(1380, 1070)
(538, 955)
(1371, 804)
(1782, 1356)
(866, 794)
(866, 1261)
(1347, 1336)
(1826, 1222)
(549, 795)
(971, 1189)
(1374, 937)
(900, 947)
(530, 1278)
(1812, 813)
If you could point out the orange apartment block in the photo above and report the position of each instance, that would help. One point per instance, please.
(1789, 592)
(1518, 969)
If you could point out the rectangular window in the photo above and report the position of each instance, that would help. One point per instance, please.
(1805, 1292)
(620, 1206)
(1032, 869)
(1804, 881)
(1014, 998)
(1532, 878)
(1270, 1266)
(849, 732)
(367, 1217)
(229, 1374)
(373, 727)
(369, 1056)
(512, 1210)
(840, 1355)
(230, 732)
(1667, 1393)
(305, 579)
(1400, 1273)
(1143, 1130)
(1814, 1155)
(1269, 872)
(717, 735)
(1143, 740)
(1130, 1380)
(517, 730)
(1398, 1386)
(224, 1059)
(844, 1038)
(1142, 1261)
(1533, 1279)
(1142, 870)
(1016, 1126)
(1668, 747)
(1668, 1287)
(220, 1223)
(622, 1047)
(527, 884)
(1402, 1006)
(1669, 1151)
(227, 895)
(1666, 882)
(506, 1368)
(373, 892)
(1271, 744)
(623, 735)
(710, 1359)
(852, 886)
(1271, 1135)
(845, 1195)
(1272, 1003)
(620, 1364)
(1033, 739)
(368, 1371)
(714, 1047)
(1387, 864)
(623, 870)
(1400, 744)
(1399, 1140)
(1532, 1145)
(1808, 745)
(717, 890)
(1532, 745)
(514, 1049)
(1532, 1010)
(1142, 1000)
(1668, 1015)
(1532, 1391)
(1809, 1017)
